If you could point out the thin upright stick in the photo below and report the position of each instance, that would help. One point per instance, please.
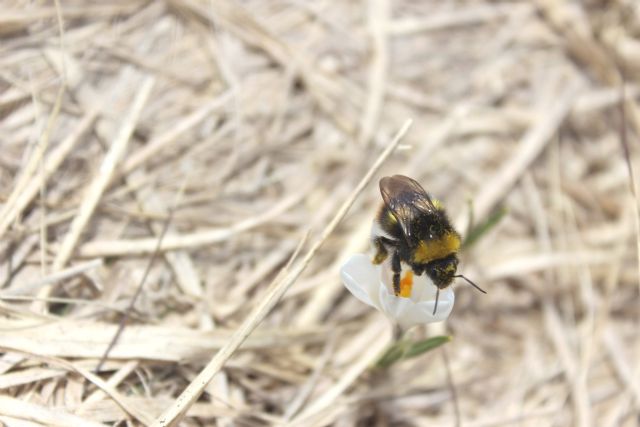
(136, 295)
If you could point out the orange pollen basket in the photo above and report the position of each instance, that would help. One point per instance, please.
(406, 284)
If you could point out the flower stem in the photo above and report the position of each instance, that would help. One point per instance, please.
(397, 332)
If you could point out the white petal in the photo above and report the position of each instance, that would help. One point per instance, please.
(407, 312)
(361, 278)
(445, 305)
(394, 307)
(423, 288)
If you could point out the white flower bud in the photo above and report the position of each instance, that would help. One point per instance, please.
(372, 284)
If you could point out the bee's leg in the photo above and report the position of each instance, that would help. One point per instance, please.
(381, 250)
(418, 269)
(397, 269)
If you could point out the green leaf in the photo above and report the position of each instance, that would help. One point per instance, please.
(419, 347)
(402, 350)
(471, 218)
(477, 231)
(392, 354)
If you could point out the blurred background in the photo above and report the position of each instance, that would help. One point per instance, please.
(183, 148)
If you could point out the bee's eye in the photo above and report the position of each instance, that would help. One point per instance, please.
(434, 229)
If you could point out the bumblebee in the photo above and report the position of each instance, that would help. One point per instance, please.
(414, 229)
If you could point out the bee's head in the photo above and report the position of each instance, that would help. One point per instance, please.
(442, 271)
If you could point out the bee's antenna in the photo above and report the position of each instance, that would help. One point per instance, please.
(435, 307)
(472, 284)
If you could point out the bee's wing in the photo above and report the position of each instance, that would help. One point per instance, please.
(406, 199)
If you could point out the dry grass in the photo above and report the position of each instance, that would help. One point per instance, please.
(242, 126)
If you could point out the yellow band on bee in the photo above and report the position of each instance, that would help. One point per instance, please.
(429, 250)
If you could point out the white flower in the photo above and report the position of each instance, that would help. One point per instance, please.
(372, 284)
